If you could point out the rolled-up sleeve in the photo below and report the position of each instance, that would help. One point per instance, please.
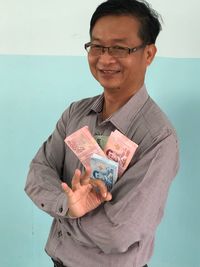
(138, 201)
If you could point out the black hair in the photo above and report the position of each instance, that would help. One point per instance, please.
(149, 19)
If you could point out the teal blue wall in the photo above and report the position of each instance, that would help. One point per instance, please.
(34, 91)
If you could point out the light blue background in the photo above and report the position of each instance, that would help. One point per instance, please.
(34, 91)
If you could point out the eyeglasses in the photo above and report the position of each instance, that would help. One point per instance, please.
(115, 51)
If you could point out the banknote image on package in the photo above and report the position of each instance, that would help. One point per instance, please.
(104, 169)
(83, 144)
(120, 149)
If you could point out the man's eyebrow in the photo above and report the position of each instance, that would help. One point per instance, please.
(95, 39)
(120, 40)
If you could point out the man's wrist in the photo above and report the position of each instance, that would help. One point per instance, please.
(69, 215)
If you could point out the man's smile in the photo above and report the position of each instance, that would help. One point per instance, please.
(109, 71)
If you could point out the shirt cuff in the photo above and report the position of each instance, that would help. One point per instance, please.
(60, 208)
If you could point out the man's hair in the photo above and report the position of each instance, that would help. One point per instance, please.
(150, 25)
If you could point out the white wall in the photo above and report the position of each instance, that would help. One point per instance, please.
(49, 27)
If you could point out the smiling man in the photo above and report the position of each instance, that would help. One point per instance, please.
(96, 227)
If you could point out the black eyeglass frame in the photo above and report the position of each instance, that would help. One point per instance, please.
(128, 49)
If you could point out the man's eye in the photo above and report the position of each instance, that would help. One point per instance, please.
(119, 48)
(96, 47)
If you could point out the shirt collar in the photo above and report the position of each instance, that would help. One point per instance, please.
(121, 119)
(97, 106)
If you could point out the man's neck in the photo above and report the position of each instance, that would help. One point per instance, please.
(113, 101)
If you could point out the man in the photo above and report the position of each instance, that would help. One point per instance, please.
(97, 227)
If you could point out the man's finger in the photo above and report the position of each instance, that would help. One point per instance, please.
(108, 197)
(85, 179)
(101, 186)
(67, 189)
(76, 180)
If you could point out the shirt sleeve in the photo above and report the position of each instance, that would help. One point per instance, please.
(43, 183)
(138, 200)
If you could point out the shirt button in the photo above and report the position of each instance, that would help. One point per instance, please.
(68, 233)
(59, 233)
(61, 209)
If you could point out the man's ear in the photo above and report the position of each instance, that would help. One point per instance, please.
(150, 53)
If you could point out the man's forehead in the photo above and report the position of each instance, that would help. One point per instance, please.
(122, 21)
(117, 40)
(114, 38)
(115, 28)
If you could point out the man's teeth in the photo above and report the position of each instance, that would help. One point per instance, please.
(109, 71)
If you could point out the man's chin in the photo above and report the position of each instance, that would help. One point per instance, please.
(110, 86)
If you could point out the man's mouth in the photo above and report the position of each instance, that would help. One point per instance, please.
(110, 72)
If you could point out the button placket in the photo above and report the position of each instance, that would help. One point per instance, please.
(59, 233)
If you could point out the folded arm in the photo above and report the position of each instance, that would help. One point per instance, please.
(138, 202)
(45, 175)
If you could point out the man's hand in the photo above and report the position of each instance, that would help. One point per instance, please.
(86, 194)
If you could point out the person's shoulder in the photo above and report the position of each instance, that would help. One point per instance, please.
(78, 111)
(84, 103)
(81, 106)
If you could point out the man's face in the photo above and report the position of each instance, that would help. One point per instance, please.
(124, 74)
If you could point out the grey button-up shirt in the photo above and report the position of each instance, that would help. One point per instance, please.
(120, 232)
